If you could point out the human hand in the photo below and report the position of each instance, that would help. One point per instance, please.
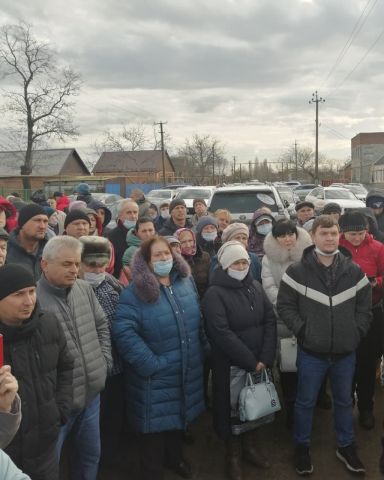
(259, 366)
(8, 389)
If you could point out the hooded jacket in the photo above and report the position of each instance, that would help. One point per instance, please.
(96, 205)
(369, 255)
(133, 242)
(256, 241)
(241, 327)
(328, 320)
(372, 197)
(38, 354)
(10, 213)
(157, 333)
(62, 203)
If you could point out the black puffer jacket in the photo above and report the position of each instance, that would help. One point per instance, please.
(40, 360)
(241, 327)
(327, 317)
(117, 237)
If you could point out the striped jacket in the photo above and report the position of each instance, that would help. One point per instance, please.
(327, 319)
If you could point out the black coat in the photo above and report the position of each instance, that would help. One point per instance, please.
(241, 327)
(200, 264)
(38, 355)
(118, 238)
(170, 227)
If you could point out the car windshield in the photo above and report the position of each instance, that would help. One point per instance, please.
(286, 194)
(194, 193)
(356, 189)
(159, 193)
(339, 194)
(243, 202)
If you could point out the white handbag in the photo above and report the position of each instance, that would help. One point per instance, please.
(288, 354)
(258, 400)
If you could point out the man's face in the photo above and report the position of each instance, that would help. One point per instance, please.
(35, 228)
(179, 213)
(78, 228)
(326, 239)
(377, 211)
(200, 209)
(355, 238)
(129, 212)
(3, 251)
(62, 271)
(3, 218)
(145, 231)
(18, 306)
(305, 214)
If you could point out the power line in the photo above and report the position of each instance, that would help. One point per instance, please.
(352, 37)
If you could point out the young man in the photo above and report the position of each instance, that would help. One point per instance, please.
(325, 300)
(36, 350)
(77, 223)
(27, 241)
(178, 218)
(74, 303)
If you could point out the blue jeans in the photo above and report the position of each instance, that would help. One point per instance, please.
(85, 449)
(311, 371)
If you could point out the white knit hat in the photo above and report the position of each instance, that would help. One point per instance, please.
(231, 252)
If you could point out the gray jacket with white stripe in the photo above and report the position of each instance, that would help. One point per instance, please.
(326, 317)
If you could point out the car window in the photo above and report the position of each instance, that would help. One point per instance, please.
(243, 202)
(339, 194)
(286, 194)
(159, 193)
(194, 193)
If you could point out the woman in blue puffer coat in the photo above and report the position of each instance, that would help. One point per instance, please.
(158, 334)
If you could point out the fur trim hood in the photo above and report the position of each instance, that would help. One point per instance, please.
(277, 254)
(146, 285)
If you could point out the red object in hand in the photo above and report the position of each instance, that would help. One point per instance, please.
(1, 351)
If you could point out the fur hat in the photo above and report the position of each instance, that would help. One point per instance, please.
(95, 250)
(175, 203)
(14, 277)
(231, 252)
(234, 229)
(76, 215)
(29, 211)
(353, 222)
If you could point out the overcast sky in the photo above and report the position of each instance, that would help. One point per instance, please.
(240, 70)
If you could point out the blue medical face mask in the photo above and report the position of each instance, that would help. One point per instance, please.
(128, 224)
(264, 229)
(209, 236)
(163, 267)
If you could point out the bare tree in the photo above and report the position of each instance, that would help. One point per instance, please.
(305, 160)
(40, 106)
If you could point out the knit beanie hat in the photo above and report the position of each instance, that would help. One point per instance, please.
(14, 277)
(232, 230)
(3, 234)
(175, 203)
(76, 215)
(83, 189)
(76, 205)
(331, 208)
(204, 221)
(231, 252)
(353, 222)
(95, 250)
(199, 200)
(29, 211)
(49, 211)
(303, 204)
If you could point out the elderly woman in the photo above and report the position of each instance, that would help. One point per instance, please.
(157, 333)
(242, 330)
(261, 225)
(283, 246)
(206, 235)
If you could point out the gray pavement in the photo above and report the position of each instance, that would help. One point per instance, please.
(206, 455)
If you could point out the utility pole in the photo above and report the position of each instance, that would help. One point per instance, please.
(296, 169)
(240, 174)
(162, 149)
(213, 164)
(250, 170)
(316, 99)
(234, 168)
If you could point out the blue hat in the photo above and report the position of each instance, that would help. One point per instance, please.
(83, 189)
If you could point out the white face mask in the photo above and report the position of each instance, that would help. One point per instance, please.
(317, 250)
(164, 213)
(94, 278)
(238, 274)
(264, 229)
(209, 236)
(128, 224)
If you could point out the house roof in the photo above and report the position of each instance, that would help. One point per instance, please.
(380, 161)
(133, 161)
(45, 163)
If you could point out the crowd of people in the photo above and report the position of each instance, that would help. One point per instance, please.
(151, 322)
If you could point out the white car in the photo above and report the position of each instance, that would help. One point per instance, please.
(188, 194)
(320, 196)
(160, 196)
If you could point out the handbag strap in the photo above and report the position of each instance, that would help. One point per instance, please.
(264, 374)
(249, 380)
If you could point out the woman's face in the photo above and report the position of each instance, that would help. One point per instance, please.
(239, 265)
(92, 219)
(223, 221)
(242, 238)
(160, 252)
(287, 241)
(187, 242)
(209, 229)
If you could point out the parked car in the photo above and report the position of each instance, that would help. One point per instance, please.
(160, 196)
(107, 198)
(289, 198)
(302, 190)
(188, 194)
(243, 200)
(359, 190)
(320, 196)
(292, 183)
